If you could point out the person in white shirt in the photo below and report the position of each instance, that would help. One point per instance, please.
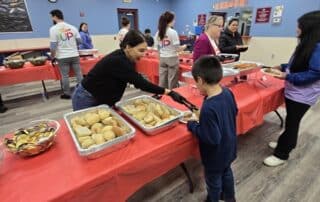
(64, 40)
(168, 43)
(125, 23)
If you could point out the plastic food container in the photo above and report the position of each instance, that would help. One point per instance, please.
(32, 138)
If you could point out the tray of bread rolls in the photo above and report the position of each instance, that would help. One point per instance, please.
(149, 114)
(97, 131)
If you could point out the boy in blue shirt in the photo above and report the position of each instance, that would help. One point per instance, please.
(216, 129)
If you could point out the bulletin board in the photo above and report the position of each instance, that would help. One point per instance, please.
(14, 16)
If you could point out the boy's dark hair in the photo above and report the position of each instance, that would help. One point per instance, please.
(207, 68)
(124, 21)
(147, 31)
(58, 13)
(132, 38)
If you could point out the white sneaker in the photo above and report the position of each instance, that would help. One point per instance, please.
(273, 145)
(273, 161)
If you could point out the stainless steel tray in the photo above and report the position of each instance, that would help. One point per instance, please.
(245, 71)
(150, 130)
(107, 147)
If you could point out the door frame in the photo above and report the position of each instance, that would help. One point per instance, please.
(134, 12)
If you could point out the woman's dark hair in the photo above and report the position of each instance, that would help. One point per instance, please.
(309, 37)
(80, 27)
(124, 21)
(132, 38)
(233, 20)
(207, 68)
(147, 31)
(164, 20)
(57, 13)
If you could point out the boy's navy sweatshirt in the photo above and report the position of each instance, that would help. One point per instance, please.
(216, 131)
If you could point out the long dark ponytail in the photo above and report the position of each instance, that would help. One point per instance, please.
(309, 25)
(164, 20)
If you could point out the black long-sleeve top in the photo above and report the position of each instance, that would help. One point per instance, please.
(228, 42)
(108, 79)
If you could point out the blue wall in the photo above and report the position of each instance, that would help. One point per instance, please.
(187, 11)
(101, 15)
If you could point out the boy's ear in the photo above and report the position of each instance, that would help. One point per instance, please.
(200, 80)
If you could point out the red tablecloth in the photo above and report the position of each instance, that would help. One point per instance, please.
(61, 174)
(31, 73)
(86, 64)
(254, 99)
(28, 73)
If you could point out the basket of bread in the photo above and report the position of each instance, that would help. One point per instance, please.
(98, 130)
(149, 114)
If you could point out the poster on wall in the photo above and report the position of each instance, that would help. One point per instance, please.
(14, 16)
(277, 14)
(263, 15)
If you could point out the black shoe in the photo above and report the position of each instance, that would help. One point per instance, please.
(3, 109)
(65, 96)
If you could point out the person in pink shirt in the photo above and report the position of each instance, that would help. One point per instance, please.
(207, 43)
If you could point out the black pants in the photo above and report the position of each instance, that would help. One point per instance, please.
(288, 139)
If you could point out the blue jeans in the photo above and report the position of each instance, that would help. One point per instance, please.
(220, 183)
(82, 99)
(64, 67)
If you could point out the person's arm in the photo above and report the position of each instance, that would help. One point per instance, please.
(53, 43)
(225, 47)
(309, 76)
(200, 48)
(85, 42)
(152, 41)
(176, 42)
(127, 73)
(78, 38)
(207, 130)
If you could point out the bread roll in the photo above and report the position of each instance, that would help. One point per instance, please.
(82, 131)
(96, 128)
(109, 135)
(98, 138)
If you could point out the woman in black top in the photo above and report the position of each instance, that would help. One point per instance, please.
(107, 81)
(230, 40)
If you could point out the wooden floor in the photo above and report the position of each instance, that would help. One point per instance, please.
(296, 181)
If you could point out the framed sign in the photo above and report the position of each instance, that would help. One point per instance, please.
(263, 15)
(14, 16)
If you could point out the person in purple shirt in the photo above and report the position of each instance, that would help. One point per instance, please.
(302, 85)
(85, 37)
(207, 43)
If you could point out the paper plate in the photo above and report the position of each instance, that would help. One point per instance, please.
(273, 73)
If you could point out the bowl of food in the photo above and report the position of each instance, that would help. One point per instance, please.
(38, 61)
(14, 64)
(33, 138)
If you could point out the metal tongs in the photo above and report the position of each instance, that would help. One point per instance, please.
(189, 105)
